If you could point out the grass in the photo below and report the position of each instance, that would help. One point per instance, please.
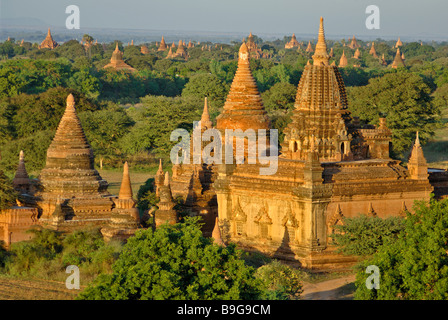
(114, 177)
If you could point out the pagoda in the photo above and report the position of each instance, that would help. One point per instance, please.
(398, 60)
(354, 44)
(21, 181)
(181, 52)
(373, 51)
(48, 42)
(117, 63)
(243, 108)
(125, 217)
(162, 46)
(309, 48)
(357, 54)
(330, 167)
(144, 49)
(343, 61)
(292, 43)
(398, 43)
(69, 174)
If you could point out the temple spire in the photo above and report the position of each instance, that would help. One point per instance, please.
(417, 165)
(205, 119)
(243, 108)
(125, 189)
(320, 54)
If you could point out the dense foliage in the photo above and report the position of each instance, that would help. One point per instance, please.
(176, 262)
(129, 115)
(415, 265)
(363, 235)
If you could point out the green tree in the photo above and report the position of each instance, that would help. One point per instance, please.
(280, 281)
(404, 99)
(176, 262)
(8, 195)
(206, 85)
(414, 266)
(363, 235)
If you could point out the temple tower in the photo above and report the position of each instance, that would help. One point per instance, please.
(69, 172)
(116, 61)
(320, 111)
(21, 181)
(417, 165)
(48, 42)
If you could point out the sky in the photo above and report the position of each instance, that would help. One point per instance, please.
(405, 18)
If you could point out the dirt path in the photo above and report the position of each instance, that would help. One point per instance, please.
(335, 289)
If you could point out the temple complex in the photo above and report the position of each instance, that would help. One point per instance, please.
(325, 157)
(48, 42)
(117, 63)
(292, 43)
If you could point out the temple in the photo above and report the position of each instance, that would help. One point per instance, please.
(398, 43)
(48, 42)
(354, 44)
(162, 46)
(309, 48)
(373, 51)
(117, 63)
(398, 60)
(343, 61)
(292, 43)
(325, 156)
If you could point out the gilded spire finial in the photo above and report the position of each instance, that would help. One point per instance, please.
(320, 54)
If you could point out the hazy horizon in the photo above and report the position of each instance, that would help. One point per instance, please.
(410, 18)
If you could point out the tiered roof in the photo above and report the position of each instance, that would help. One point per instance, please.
(243, 108)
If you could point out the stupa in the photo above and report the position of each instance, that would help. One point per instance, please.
(117, 63)
(292, 43)
(398, 43)
(309, 48)
(69, 174)
(162, 46)
(373, 51)
(48, 42)
(398, 60)
(354, 44)
(343, 61)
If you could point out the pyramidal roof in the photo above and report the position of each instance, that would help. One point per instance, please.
(69, 169)
(69, 140)
(320, 108)
(243, 108)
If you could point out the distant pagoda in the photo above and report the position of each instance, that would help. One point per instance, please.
(117, 63)
(373, 51)
(292, 43)
(398, 60)
(162, 46)
(354, 44)
(48, 42)
(343, 61)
